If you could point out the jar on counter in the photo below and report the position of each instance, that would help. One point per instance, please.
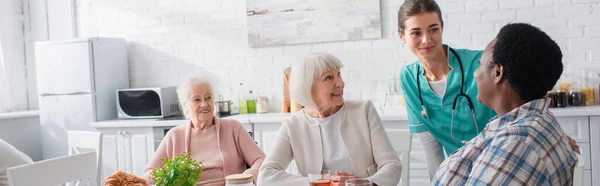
(262, 104)
(552, 95)
(561, 99)
(588, 96)
(239, 180)
(588, 88)
(575, 98)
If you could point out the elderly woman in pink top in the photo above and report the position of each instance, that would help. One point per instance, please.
(222, 145)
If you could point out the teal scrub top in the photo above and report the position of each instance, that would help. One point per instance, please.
(440, 110)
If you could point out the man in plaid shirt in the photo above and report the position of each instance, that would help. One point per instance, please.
(523, 144)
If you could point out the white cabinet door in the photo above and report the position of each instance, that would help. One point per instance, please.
(418, 166)
(587, 178)
(264, 134)
(138, 144)
(595, 151)
(248, 127)
(585, 152)
(111, 161)
(578, 127)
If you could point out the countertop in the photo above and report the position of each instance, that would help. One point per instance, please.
(278, 117)
(577, 111)
(19, 114)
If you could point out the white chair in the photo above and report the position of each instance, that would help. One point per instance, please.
(56, 171)
(578, 170)
(83, 141)
(401, 141)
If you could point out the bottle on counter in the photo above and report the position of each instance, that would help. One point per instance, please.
(251, 103)
(234, 101)
(242, 103)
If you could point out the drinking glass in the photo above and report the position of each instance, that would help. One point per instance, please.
(320, 178)
(359, 182)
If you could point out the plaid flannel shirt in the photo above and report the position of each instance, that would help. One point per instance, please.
(523, 147)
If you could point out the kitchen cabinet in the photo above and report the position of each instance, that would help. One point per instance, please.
(594, 152)
(128, 145)
(418, 166)
(265, 134)
(578, 128)
(127, 149)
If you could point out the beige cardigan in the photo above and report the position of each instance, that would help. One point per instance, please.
(365, 139)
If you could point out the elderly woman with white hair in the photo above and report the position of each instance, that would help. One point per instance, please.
(330, 133)
(222, 145)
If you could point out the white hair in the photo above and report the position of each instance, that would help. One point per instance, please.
(183, 90)
(304, 73)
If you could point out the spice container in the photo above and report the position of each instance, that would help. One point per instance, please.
(588, 96)
(262, 104)
(587, 89)
(565, 86)
(239, 180)
(552, 95)
(561, 99)
(575, 97)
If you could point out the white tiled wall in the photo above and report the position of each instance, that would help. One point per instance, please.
(169, 38)
(13, 68)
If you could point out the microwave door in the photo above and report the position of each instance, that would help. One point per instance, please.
(139, 104)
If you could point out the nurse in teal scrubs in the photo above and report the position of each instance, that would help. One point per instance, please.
(440, 79)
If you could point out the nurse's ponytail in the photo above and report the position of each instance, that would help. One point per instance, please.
(414, 7)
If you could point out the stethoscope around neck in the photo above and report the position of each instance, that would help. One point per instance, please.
(460, 94)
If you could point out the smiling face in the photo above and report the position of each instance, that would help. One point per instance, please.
(423, 35)
(201, 104)
(328, 89)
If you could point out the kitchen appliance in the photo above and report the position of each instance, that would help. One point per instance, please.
(156, 102)
(223, 107)
(76, 82)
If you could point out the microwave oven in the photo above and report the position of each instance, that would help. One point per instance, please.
(158, 102)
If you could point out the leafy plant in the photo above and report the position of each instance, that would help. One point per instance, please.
(179, 171)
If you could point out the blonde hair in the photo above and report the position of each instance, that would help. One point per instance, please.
(304, 73)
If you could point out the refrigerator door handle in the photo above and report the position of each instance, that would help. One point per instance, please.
(67, 94)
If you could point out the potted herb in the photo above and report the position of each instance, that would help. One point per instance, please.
(179, 171)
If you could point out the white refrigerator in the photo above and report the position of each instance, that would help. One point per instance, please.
(76, 81)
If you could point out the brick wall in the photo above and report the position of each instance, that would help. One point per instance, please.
(171, 38)
(13, 70)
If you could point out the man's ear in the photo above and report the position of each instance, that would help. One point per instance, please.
(498, 74)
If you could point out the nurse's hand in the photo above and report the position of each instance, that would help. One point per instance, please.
(573, 145)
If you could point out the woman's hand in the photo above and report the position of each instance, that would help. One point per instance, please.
(340, 177)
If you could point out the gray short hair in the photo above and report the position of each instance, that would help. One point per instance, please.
(304, 73)
(183, 90)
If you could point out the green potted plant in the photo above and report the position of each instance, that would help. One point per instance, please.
(181, 170)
